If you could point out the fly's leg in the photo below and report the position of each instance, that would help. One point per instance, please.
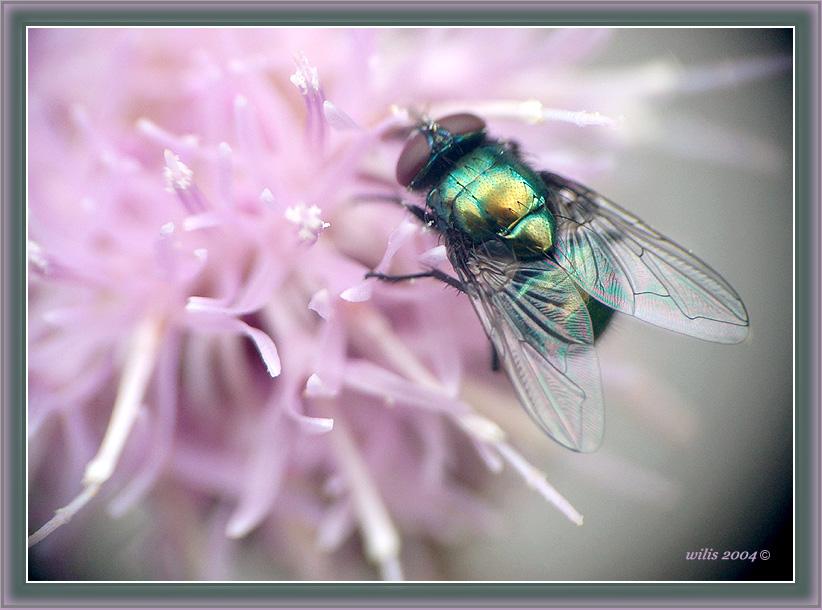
(417, 211)
(433, 273)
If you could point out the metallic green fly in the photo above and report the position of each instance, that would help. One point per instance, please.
(545, 262)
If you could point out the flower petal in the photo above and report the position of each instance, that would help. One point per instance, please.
(216, 323)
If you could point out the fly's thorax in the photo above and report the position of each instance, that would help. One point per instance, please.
(490, 194)
(534, 234)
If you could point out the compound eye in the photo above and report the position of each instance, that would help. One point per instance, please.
(413, 158)
(461, 124)
(417, 150)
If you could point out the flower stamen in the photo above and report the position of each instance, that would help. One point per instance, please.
(486, 433)
(308, 220)
(307, 80)
(177, 174)
(136, 374)
(537, 481)
(529, 111)
(380, 536)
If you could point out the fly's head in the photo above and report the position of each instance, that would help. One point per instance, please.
(426, 154)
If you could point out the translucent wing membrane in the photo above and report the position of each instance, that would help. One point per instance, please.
(538, 322)
(627, 265)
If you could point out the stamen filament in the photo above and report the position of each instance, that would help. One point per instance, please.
(537, 481)
(136, 374)
(380, 536)
(529, 111)
(376, 331)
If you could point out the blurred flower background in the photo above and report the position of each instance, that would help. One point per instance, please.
(216, 393)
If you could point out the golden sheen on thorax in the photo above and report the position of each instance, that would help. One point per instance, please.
(489, 193)
(506, 195)
(534, 234)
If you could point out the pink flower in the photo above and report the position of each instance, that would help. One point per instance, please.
(204, 350)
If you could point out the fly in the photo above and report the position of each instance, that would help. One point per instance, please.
(546, 261)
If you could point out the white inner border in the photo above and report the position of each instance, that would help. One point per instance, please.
(439, 582)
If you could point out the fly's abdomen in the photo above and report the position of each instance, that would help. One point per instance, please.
(600, 314)
(489, 194)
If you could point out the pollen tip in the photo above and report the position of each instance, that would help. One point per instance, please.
(320, 303)
(267, 197)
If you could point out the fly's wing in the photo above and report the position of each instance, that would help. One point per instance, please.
(539, 325)
(630, 267)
